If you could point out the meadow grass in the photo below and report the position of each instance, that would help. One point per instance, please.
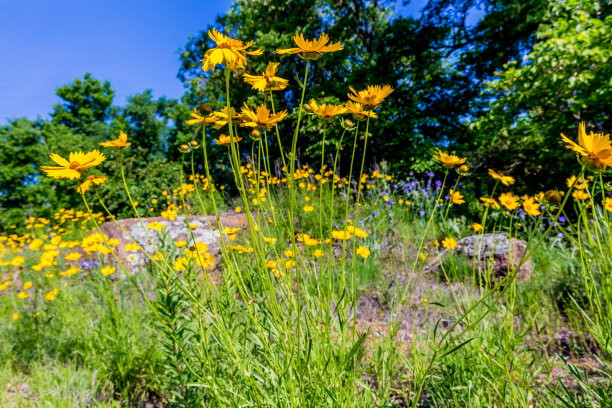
(342, 291)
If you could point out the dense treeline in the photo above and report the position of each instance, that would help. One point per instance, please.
(500, 91)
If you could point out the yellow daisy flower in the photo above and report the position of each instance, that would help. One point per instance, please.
(97, 180)
(509, 200)
(228, 50)
(505, 180)
(358, 112)
(370, 97)
(225, 140)
(261, 118)
(326, 111)
(311, 49)
(268, 81)
(74, 166)
(120, 142)
(595, 148)
(449, 160)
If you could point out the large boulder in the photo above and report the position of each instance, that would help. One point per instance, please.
(493, 251)
(204, 229)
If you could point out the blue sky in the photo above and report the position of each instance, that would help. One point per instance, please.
(45, 44)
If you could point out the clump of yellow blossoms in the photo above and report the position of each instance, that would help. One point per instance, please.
(370, 97)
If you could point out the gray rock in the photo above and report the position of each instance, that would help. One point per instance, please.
(493, 251)
(206, 231)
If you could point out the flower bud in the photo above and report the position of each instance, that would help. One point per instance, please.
(184, 148)
(552, 196)
(194, 144)
(255, 134)
(205, 109)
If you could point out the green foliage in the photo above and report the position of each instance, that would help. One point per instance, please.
(563, 79)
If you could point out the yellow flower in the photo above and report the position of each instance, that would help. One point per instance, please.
(317, 253)
(158, 256)
(449, 160)
(113, 242)
(505, 180)
(120, 142)
(531, 207)
(262, 118)
(359, 233)
(370, 97)
(132, 247)
(225, 140)
(18, 260)
(449, 243)
(27, 285)
(580, 195)
(180, 244)
(70, 271)
(231, 232)
(289, 264)
(422, 256)
(268, 81)
(107, 270)
(341, 235)
(181, 264)
(477, 227)
(490, 202)
(363, 251)
(220, 118)
(358, 112)
(73, 167)
(196, 118)
(155, 225)
(464, 168)
(608, 204)
(240, 248)
(326, 111)
(229, 51)
(456, 197)
(23, 295)
(308, 208)
(509, 200)
(270, 240)
(16, 315)
(97, 180)
(312, 50)
(594, 148)
(51, 295)
(271, 264)
(238, 210)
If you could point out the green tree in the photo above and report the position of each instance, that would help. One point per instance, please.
(563, 80)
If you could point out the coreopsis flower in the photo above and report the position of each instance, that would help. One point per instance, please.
(505, 180)
(509, 200)
(180, 244)
(449, 160)
(580, 195)
(228, 50)
(593, 149)
(312, 49)
(531, 207)
(197, 118)
(360, 114)
(490, 202)
(449, 243)
(118, 143)
(261, 118)
(225, 140)
(74, 166)
(370, 97)
(308, 208)
(107, 270)
(341, 235)
(268, 81)
(362, 251)
(580, 184)
(326, 111)
(456, 197)
(477, 227)
(358, 232)
(97, 180)
(608, 204)
(158, 226)
(219, 118)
